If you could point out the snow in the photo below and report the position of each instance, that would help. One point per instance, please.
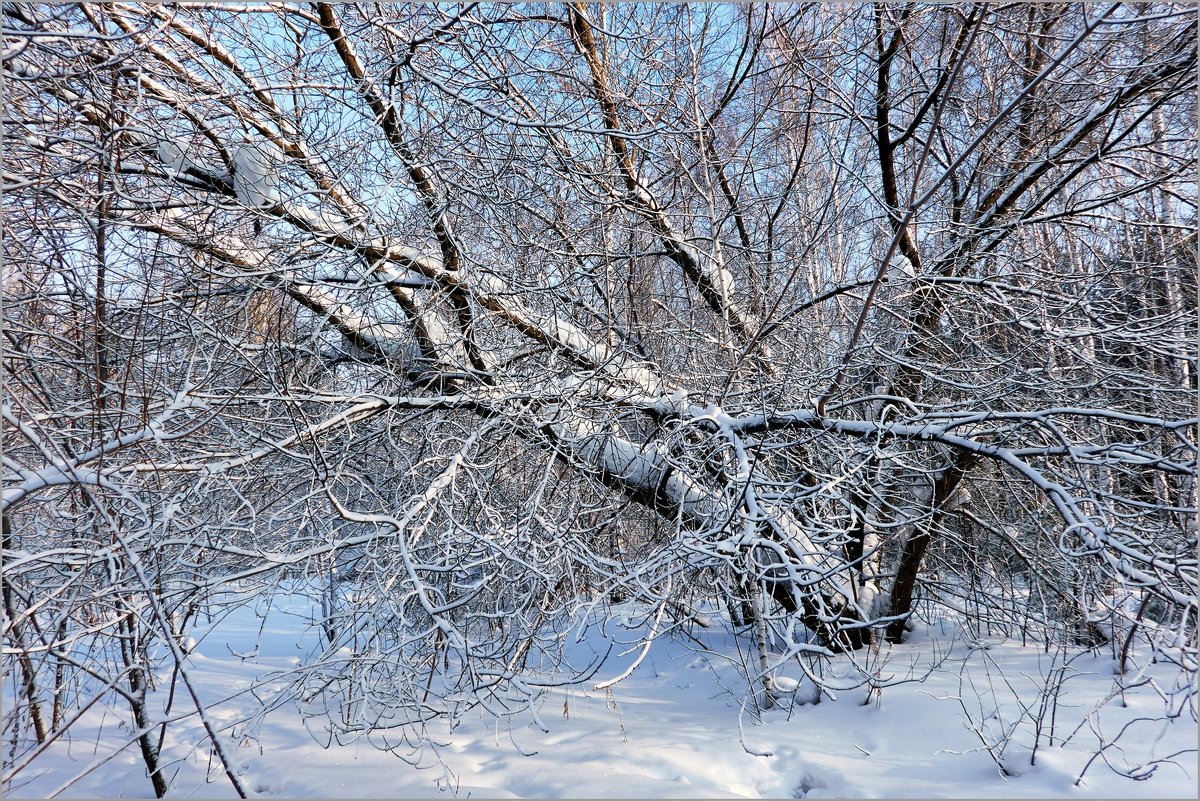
(256, 173)
(682, 724)
(173, 157)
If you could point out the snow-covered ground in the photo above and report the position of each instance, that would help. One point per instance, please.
(682, 725)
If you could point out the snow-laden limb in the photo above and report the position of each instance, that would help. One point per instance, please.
(384, 340)
(724, 519)
(56, 475)
(796, 560)
(396, 260)
(494, 295)
(642, 470)
(61, 470)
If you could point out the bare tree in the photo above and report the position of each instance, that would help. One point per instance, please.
(502, 313)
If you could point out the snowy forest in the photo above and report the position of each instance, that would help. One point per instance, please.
(410, 399)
